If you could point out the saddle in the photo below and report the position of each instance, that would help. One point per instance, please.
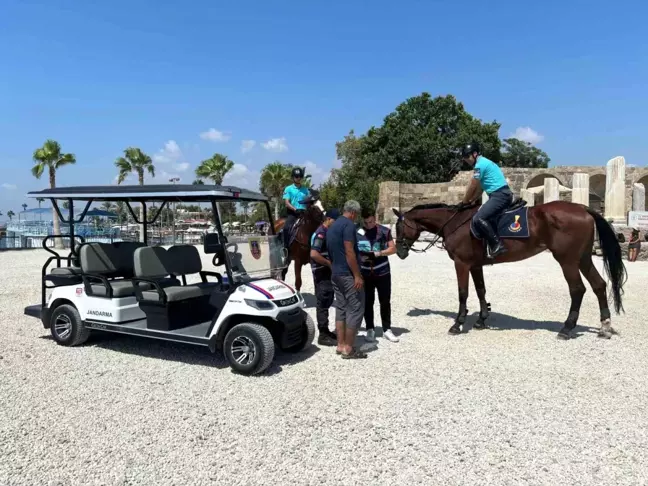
(512, 223)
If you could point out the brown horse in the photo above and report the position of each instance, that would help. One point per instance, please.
(566, 229)
(299, 250)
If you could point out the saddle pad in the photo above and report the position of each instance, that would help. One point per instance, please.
(510, 224)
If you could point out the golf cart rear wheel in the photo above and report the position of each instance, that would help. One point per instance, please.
(249, 348)
(66, 326)
(307, 335)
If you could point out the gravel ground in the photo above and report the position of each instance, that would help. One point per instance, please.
(511, 405)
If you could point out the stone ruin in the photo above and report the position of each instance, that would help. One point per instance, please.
(615, 190)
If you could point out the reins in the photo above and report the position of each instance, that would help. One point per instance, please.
(439, 234)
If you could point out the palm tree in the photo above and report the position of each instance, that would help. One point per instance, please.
(50, 157)
(198, 182)
(10, 214)
(40, 201)
(135, 160)
(245, 205)
(215, 168)
(24, 206)
(274, 179)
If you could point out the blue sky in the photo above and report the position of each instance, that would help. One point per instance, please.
(294, 77)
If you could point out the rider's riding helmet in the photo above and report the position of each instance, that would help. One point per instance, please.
(297, 172)
(469, 148)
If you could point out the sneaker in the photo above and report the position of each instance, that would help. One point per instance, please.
(370, 336)
(390, 336)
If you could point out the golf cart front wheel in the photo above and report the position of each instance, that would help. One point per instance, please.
(249, 348)
(307, 335)
(66, 326)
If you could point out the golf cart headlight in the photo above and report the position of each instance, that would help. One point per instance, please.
(259, 304)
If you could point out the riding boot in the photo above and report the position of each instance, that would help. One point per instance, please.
(494, 243)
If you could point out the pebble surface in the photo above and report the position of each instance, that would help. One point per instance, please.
(509, 405)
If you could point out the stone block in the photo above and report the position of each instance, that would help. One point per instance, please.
(580, 188)
(638, 197)
(551, 190)
(615, 189)
(528, 196)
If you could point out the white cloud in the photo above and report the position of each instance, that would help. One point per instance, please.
(241, 176)
(276, 145)
(9, 187)
(247, 145)
(182, 166)
(171, 153)
(215, 135)
(527, 134)
(318, 175)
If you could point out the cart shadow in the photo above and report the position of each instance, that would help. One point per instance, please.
(185, 353)
(503, 322)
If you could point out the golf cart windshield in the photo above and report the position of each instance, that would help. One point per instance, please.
(254, 257)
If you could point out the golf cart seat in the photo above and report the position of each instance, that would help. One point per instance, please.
(185, 260)
(107, 269)
(169, 308)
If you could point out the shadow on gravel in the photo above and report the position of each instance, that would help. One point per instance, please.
(184, 353)
(503, 322)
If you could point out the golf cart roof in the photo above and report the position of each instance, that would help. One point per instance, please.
(158, 192)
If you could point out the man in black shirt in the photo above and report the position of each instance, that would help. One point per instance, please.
(321, 267)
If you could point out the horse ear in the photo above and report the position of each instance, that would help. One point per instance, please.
(397, 213)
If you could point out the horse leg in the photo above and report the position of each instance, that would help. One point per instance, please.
(298, 280)
(480, 287)
(463, 280)
(598, 286)
(576, 291)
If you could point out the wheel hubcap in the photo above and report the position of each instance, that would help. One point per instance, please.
(62, 326)
(243, 350)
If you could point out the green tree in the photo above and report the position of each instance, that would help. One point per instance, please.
(50, 157)
(10, 214)
(215, 168)
(134, 160)
(198, 182)
(518, 153)
(40, 201)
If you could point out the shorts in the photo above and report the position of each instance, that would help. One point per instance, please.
(349, 302)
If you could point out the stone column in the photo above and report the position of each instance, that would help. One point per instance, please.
(528, 196)
(615, 189)
(580, 188)
(638, 197)
(551, 189)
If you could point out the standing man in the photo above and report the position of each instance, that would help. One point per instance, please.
(321, 267)
(376, 243)
(292, 196)
(488, 177)
(342, 242)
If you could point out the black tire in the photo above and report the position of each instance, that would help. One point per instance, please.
(67, 327)
(257, 339)
(308, 335)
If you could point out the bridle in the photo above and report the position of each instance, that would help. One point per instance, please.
(439, 234)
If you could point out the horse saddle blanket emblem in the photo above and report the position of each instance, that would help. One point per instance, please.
(509, 224)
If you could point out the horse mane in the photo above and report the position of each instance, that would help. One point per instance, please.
(435, 206)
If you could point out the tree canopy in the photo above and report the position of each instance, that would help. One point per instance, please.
(522, 154)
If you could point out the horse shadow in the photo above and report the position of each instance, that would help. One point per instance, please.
(503, 322)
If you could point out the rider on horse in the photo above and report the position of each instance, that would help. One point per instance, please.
(293, 196)
(489, 177)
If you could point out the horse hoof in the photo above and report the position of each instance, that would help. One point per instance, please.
(605, 334)
(456, 329)
(481, 325)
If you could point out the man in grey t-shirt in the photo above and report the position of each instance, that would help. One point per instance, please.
(342, 243)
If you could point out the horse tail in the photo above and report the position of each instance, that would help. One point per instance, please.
(612, 257)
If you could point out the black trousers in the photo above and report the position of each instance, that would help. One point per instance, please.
(291, 219)
(382, 285)
(324, 295)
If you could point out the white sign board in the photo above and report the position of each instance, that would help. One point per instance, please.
(638, 218)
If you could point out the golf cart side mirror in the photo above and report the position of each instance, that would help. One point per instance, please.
(212, 244)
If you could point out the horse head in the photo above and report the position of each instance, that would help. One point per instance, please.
(408, 231)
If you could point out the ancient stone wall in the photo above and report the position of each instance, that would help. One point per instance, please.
(574, 182)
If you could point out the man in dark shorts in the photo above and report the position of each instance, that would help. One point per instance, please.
(321, 267)
(342, 243)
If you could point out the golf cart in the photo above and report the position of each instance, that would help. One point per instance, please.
(129, 287)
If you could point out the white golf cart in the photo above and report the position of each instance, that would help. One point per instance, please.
(129, 287)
